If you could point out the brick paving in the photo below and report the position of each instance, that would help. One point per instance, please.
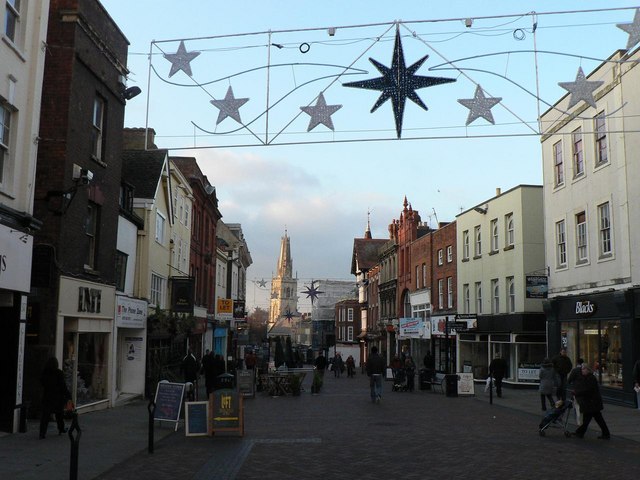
(341, 433)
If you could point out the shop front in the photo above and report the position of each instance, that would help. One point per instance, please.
(518, 338)
(86, 325)
(602, 329)
(444, 332)
(130, 349)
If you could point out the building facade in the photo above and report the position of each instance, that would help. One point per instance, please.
(591, 210)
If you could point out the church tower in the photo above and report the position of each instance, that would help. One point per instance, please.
(284, 288)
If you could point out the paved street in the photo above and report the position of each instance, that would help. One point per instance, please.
(339, 433)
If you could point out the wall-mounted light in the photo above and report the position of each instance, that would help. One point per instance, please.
(331, 31)
(131, 92)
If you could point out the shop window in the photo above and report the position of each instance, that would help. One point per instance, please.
(86, 366)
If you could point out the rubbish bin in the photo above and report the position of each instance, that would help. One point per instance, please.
(224, 381)
(425, 379)
(451, 385)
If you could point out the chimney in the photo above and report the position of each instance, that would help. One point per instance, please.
(498, 192)
(134, 138)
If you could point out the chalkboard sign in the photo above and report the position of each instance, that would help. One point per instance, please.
(227, 414)
(246, 382)
(168, 401)
(196, 418)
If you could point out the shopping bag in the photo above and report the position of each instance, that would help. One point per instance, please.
(69, 408)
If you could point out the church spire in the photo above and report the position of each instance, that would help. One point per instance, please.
(367, 232)
(285, 264)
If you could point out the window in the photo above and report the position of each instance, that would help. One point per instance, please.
(465, 245)
(466, 295)
(126, 197)
(349, 334)
(604, 222)
(186, 214)
(12, 19)
(350, 315)
(510, 239)
(478, 297)
(440, 257)
(449, 254)
(5, 128)
(601, 139)
(478, 239)
(440, 294)
(91, 227)
(424, 275)
(121, 270)
(160, 222)
(494, 235)
(97, 129)
(157, 290)
(561, 244)
(511, 295)
(449, 292)
(578, 159)
(495, 296)
(558, 167)
(418, 277)
(581, 236)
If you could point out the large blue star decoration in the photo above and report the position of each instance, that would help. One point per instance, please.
(288, 315)
(312, 292)
(399, 83)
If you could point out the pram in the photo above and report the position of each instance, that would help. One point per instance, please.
(557, 417)
(399, 380)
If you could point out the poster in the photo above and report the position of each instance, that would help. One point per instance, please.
(196, 419)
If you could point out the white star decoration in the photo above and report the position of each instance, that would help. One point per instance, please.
(581, 89)
(320, 113)
(229, 106)
(180, 60)
(480, 106)
(633, 29)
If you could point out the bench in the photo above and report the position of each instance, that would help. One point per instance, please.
(438, 381)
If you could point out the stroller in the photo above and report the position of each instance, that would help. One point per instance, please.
(399, 381)
(557, 417)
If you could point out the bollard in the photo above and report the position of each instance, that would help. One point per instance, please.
(75, 446)
(151, 408)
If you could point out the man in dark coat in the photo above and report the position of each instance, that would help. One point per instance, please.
(320, 363)
(375, 369)
(562, 364)
(497, 370)
(190, 369)
(587, 393)
(207, 371)
(55, 395)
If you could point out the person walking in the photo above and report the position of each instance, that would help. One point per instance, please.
(320, 363)
(497, 370)
(351, 366)
(587, 393)
(548, 382)
(189, 369)
(410, 372)
(375, 369)
(55, 395)
(563, 365)
(338, 365)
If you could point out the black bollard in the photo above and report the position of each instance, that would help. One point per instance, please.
(152, 408)
(74, 436)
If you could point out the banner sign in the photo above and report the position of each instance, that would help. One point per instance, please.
(537, 286)
(182, 293)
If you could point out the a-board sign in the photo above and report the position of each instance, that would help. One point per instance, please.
(227, 414)
(465, 384)
(196, 419)
(246, 382)
(168, 401)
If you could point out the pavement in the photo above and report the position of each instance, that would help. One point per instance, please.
(340, 432)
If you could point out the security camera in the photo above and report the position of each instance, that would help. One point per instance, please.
(86, 176)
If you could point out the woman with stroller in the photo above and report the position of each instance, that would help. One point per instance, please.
(549, 380)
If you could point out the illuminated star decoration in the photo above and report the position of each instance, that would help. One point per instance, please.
(262, 283)
(480, 106)
(581, 89)
(399, 83)
(180, 60)
(320, 113)
(633, 29)
(229, 106)
(312, 292)
(274, 295)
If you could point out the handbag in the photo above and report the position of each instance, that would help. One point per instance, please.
(69, 408)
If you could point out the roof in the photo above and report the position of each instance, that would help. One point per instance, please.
(143, 169)
(365, 253)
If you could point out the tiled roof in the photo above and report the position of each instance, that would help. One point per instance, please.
(143, 170)
(365, 253)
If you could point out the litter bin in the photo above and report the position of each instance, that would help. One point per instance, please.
(425, 379)
(224, 381)
(451, 385)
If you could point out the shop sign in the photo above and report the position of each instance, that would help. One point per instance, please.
(225, 309)
(182, 294)
(528, 373)
(537, 286)
(130, 313)
(441, 326)
(585, 308)
(15, 260)
(410, 327)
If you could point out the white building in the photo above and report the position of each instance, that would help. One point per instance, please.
(592, 208)
(501, 280)
(22, 55)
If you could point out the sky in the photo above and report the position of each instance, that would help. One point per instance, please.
(274, 173)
